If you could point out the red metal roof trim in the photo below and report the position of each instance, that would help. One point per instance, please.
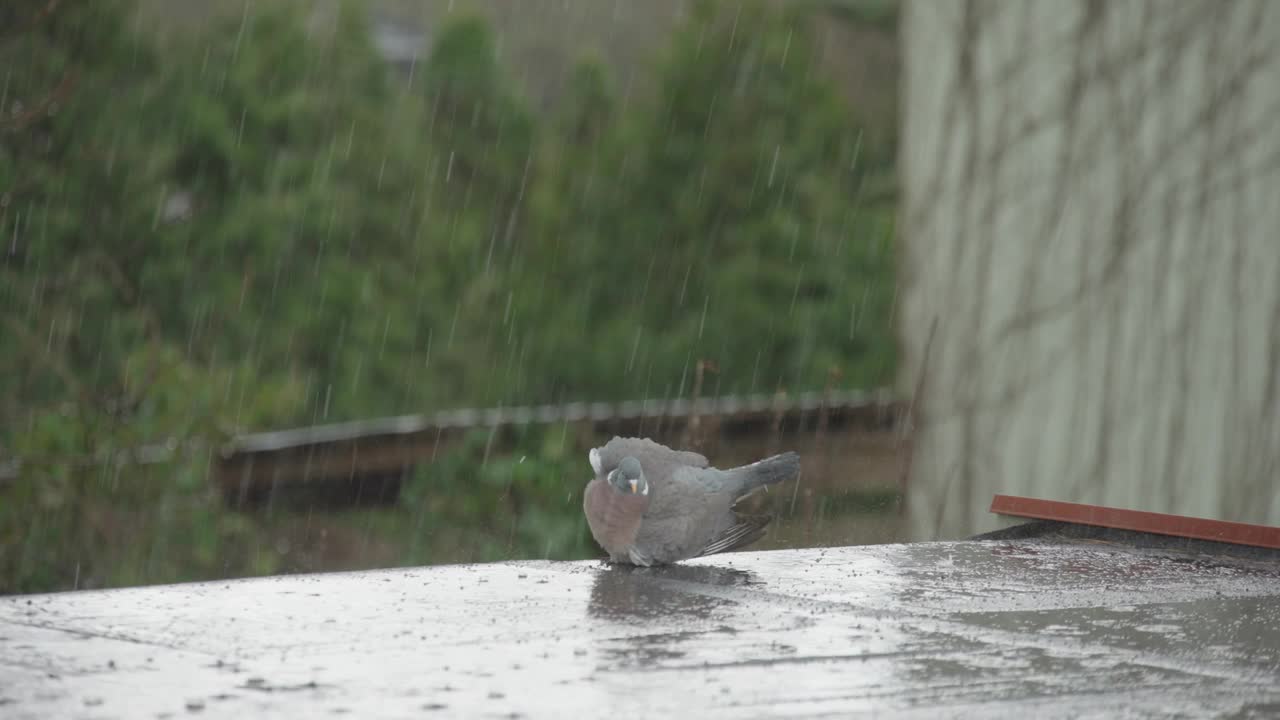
(1138, 520)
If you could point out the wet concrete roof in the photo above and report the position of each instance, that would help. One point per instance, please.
(969, 629)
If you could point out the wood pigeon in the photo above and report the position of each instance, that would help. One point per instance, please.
(651, 505)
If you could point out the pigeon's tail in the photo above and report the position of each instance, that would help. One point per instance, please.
(771, 470)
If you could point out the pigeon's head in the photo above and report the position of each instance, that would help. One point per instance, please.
(628, 478)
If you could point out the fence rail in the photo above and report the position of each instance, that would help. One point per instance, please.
(366, 460)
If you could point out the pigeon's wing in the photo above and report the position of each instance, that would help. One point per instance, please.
(747, 530)
(691, 508)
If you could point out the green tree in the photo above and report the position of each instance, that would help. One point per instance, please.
(90, 372)
(480, 151)
(726, 226)
(573, 203)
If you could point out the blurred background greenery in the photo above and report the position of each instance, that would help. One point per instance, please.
(236, 216)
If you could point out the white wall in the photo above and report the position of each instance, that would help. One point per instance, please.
(1092, 213)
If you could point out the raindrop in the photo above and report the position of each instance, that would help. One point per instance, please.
(635, 346)
(795, 293)
(453, 326)
(733, 32)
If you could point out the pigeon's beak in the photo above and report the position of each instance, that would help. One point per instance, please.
(633, 486)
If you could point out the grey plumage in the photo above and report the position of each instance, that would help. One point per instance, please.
(686, 508)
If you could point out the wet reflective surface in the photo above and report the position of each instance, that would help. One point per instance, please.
(971, 629)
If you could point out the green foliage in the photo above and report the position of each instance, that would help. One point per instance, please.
(721, 224)
(523, 503)
(267, 226)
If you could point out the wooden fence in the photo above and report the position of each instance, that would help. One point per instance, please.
(842, 436)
